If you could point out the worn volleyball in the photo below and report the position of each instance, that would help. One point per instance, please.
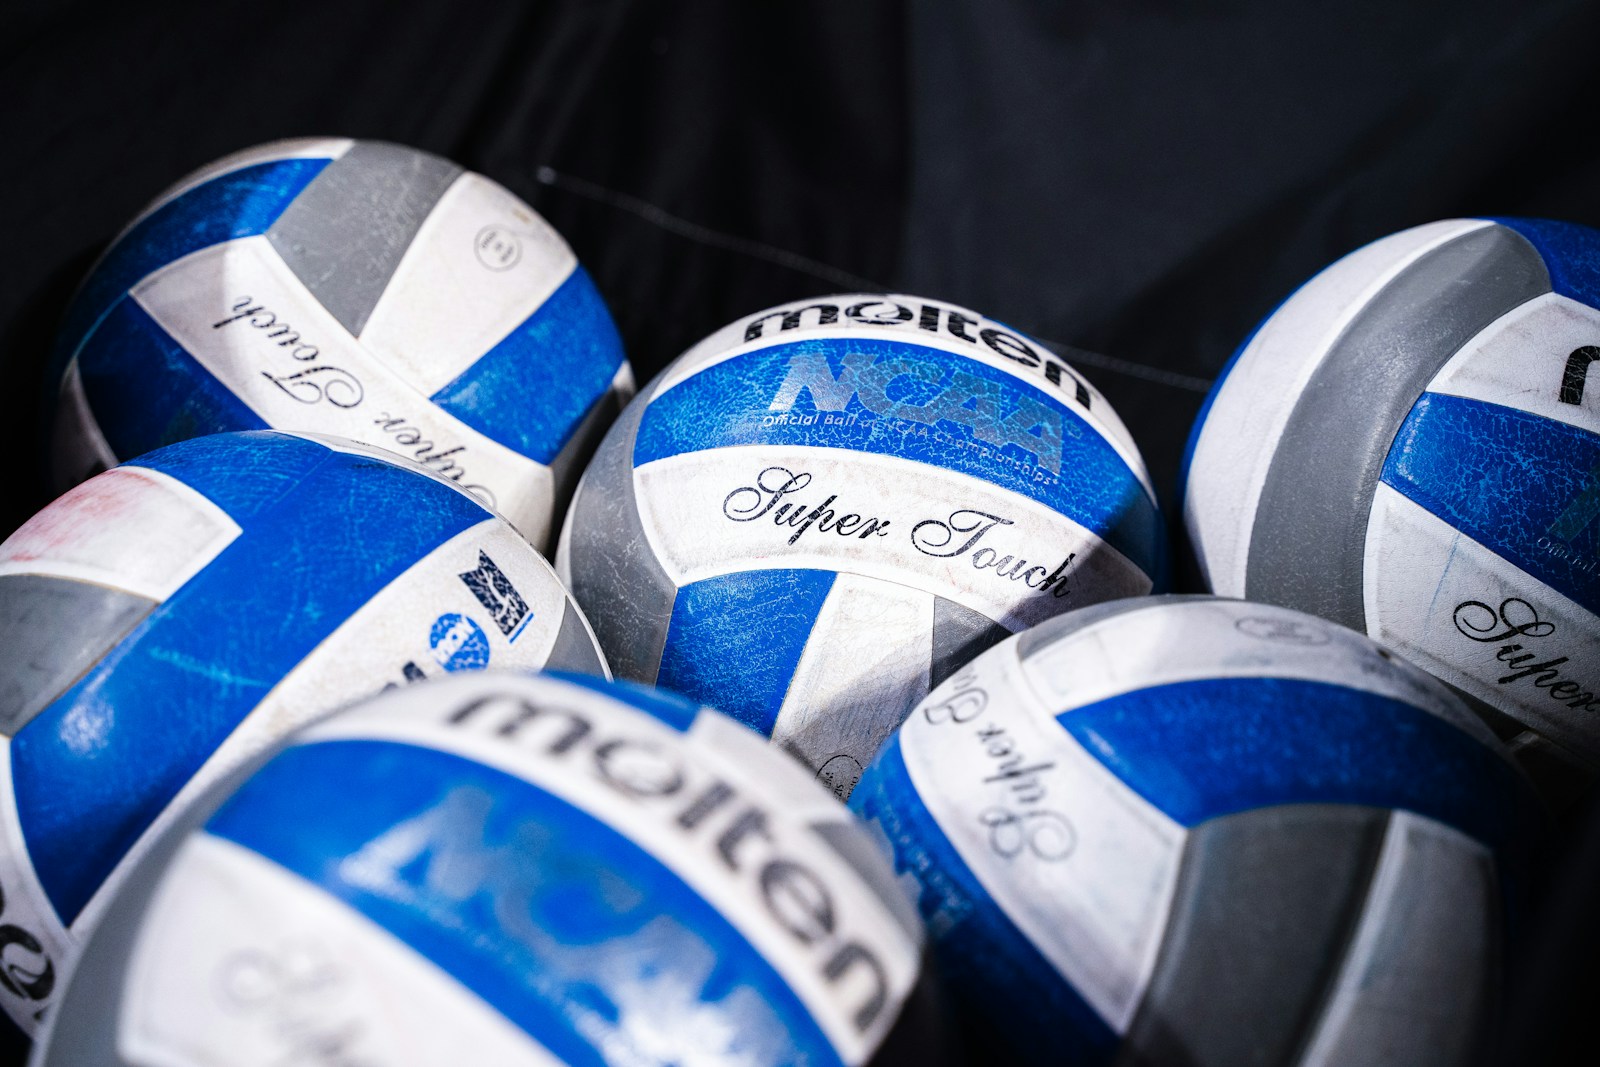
(355, 288)
(172, 616)
(1410, 446)
(1185, 830)
(823, 509)
(519, 871)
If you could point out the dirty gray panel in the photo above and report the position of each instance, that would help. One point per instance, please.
(53, 630)
(1419, 985)
(346, 232)
(959, 635)
(573, 651)
(616, 579)
(568, 464)
(1266, 903)
(837, 712)
(1309, 536)
(839, 736)
(858, 850)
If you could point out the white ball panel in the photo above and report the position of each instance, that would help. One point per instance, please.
(1421, 581)
(450, 300)
(205, 301)
(1520, 359)
(675, 494)
(1091, 890)
(130, 528)
(241, 962)
(1170, 642)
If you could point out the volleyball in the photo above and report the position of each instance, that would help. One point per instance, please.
(1410, 446)
(823, 509)
(171, 617)
(519, 870)
(1192, 830)
(354, 288)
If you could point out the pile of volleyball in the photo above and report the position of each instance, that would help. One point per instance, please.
(311, 756)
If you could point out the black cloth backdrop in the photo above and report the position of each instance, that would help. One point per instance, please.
(1141, 179)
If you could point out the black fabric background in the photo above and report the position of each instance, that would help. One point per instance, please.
(1142, 179)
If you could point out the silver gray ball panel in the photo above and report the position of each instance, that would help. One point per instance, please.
(857, 849)
(823, 738)
(1310, 529)
(616, 577)
(959, 634)
(53, 630)
(573, 651)
(1445, 923)
(328, 236)
(567, 465)
(1266, 902)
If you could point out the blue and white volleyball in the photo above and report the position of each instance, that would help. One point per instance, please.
(171, 617)
(1184, 830)
(509, 870)
(822, 510)
(1410, 446)
(353, 288)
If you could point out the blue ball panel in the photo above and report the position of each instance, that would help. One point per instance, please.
(997, 971)
(247, 475)
(723, 406)
(129, 366)
(1506, 479)
(734, 640)
(241, 203)
(530, 391)
(558, 900)
(96, 767)
(1201, 749)
(1571, 254)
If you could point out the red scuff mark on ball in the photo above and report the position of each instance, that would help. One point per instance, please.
(82, 513)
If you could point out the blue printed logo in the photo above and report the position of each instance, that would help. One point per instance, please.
(584, 922)
(925, 391)
(458, 643)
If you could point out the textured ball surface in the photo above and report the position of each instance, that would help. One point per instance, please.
(508, 870)
(353, 288)
(1410, 446)
(172, 616)
(823, 509)
(1182, 830)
